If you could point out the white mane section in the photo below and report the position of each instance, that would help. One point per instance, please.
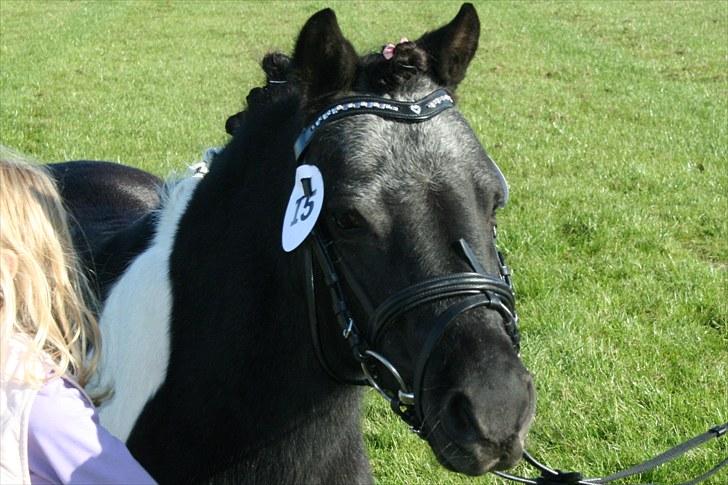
(135, 321)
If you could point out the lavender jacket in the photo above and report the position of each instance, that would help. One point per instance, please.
(66, 443)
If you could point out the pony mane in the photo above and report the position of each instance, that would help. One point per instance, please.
(279, 81)
(375, 75)
(277, 68)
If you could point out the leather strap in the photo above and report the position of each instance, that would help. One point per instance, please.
(421, 110)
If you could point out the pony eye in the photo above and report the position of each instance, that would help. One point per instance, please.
(349, 219)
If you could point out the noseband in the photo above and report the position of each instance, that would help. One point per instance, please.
(470, 289)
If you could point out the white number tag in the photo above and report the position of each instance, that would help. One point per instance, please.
(304, 206)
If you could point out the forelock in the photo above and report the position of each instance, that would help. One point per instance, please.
(379, 75)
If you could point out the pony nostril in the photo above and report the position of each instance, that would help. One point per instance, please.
(460, 420)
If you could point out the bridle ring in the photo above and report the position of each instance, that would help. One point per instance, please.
(404, 396)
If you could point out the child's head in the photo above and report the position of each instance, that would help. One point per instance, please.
(43, 293)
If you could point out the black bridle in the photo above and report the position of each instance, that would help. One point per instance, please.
(471, 289)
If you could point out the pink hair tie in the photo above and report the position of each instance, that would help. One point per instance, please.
(388, 50)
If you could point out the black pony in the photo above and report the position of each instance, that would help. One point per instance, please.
(208, 334)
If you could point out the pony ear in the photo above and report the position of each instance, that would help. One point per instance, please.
(451, 48)
(324, 60)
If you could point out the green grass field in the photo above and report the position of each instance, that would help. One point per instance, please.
(610, 120)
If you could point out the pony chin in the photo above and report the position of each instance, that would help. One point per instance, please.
(141, 328)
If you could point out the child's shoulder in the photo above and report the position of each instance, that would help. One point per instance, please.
(60, 403)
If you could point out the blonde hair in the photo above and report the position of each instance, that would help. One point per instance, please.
(47, 302)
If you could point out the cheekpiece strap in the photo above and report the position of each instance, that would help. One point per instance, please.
(421, 110)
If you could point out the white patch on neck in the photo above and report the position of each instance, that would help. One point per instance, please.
(135, 321)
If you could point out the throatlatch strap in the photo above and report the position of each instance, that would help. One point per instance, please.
(338, 305)
(313, 320)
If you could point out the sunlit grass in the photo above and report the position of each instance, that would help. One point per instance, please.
(610, 120)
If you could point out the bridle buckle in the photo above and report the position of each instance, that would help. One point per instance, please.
(348, 329)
